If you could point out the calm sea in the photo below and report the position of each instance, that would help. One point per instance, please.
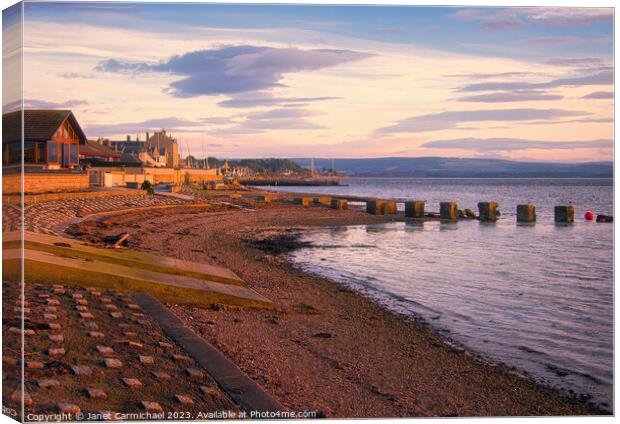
(538, 298)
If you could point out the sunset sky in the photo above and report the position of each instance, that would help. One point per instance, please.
(327, 81)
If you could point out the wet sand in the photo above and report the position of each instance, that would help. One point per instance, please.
(324, 347)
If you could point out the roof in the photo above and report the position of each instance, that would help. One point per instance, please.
(39, 125)
(124, 146)
(93, 148)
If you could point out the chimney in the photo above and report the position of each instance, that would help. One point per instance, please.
(128, 138)
(147, 136)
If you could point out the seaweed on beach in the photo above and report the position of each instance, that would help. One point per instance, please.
(279, 243)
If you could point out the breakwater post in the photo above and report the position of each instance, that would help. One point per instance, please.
(323, 200)
(267, 198)
(374, 207)
(526, 213)
(389, 206)
(414, 209)
(339, 204)
(448, 211)
(380, 207)
(303, 201)
(564, 214)
(487, 211)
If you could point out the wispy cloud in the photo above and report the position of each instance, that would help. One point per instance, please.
(602, 78)
(275, 119)
(264, 99)
(169, 123)
(599, 95)
(283, 114)
(234, 69)
(512, 144)
(512, 96)
(391, 30)
(511, 18)
(447, 120)
(44, 104)
(493, 75)
(564, 40)
(75, 75)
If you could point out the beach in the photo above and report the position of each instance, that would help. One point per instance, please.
(322, 347)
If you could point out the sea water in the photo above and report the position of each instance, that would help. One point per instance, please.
(535, 297)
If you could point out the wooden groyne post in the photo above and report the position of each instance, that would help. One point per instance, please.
(380, 207)
(323, 200)
(267, 198)
(303, 201)
(487, 211)
(373, 207)
(564, 214)
(414, 209)
(526, 213)
(339, 204)
(448, 211)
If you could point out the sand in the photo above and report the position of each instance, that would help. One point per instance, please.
(324, 348)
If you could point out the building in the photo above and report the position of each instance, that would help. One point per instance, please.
(52, 139)
(164, 148)
(159, 149)
(95, 152)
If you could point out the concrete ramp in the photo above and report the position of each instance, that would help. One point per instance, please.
(130, 258)
(49, 268)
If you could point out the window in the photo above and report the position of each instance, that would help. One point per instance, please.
(74, 153)
(40, 153)
(52, 155)
(29, 152)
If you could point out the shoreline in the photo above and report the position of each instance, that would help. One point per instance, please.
(409, 368)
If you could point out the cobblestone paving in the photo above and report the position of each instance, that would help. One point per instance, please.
(91, 352)
(44, 217)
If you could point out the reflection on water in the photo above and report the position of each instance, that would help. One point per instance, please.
(537, 297)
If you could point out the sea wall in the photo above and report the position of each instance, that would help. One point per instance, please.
(45, 182)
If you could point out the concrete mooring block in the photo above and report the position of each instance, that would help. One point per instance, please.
(487, 211)
(526, 213)
(564, 214)
(389, 206)
(448, 211)
(339, 204)
(267, 198)
(380, 207)
(414, 209)
(323, 200)
(375, 207)
(304, 201)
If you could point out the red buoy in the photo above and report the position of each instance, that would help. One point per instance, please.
(589, 216)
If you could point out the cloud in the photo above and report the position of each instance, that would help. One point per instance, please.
(512, 96)
(170, 123)
(75, 75)
(264, 99)
(275, 119)
(510, 18)
(44, 104)
(234, 69)
(569, 16)
(493, 75)
(447, 120)
(391, 30)
(283, 114)
(602, 78)
(599, 95)
(566, 40)
(512, 144)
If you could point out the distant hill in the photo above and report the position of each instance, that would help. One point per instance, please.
(460, 167)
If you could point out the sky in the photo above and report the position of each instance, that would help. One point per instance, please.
(532, 84)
